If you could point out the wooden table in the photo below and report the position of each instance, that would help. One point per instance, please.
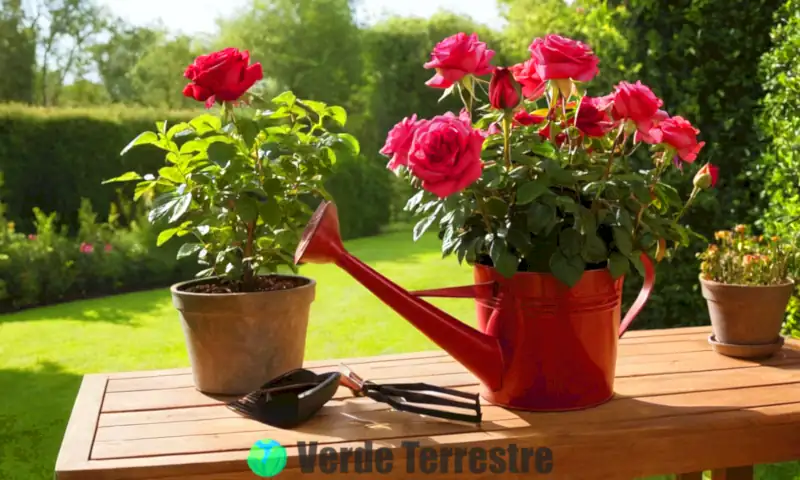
(680, 408)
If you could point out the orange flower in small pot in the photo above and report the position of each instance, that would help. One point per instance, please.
(233, 193)
(745, 281)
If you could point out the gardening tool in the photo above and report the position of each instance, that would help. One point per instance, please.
(294, 397)
(540, 345)
(406, 397)
(290, 399)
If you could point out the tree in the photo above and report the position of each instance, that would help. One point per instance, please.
(116, 59)
(311, 47)
(157, 78)
(64, 31)
(17, 53)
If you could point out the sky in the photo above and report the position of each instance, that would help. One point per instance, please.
(198, 16)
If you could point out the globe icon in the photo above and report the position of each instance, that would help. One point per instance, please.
(267, 458)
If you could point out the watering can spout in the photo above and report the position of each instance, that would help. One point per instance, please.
(477, 352)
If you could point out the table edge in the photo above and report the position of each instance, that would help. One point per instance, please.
(76, 444)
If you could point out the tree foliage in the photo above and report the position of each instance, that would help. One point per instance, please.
(780, 122)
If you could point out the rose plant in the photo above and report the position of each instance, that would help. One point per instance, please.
(541, 178)
(237, 185)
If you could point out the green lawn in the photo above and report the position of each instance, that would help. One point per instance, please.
(44, 351)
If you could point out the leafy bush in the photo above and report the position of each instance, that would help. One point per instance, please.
(780, 122)
(701, 58)
(49, 266)
(237, 184)
(51, 158)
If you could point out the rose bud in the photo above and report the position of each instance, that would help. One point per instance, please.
(503, 90)
(706, 177)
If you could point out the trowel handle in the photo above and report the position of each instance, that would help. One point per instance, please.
(644, 294)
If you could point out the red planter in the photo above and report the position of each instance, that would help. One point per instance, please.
(540, 345)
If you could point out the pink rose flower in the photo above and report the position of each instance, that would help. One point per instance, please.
(398, 142)
(678, 133)
(446, 155)
(532, 84)
(592, 117)
(637, 103)
(107, 248)
(557, 58)
(86, 248)
(456, 57)
(31, 237)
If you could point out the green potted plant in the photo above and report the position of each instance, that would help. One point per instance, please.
(237, 188)
(746, 282)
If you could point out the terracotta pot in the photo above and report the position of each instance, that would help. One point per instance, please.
(746, 314)
(236, 342)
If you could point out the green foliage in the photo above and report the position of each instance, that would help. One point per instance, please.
(702, 58)
(50, 266)
(239, 184)
(311, 47)
(780, 122)
(17, 53)
(51, 158)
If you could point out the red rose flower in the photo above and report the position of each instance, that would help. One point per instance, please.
(503, 91)
(446, 155)
(532, 84)
(221, 76)
(592, 117)
(398, 142)
(636, 102)
(682, 136)
(457, 56)
(561, 137)
(525, 118)
(557, 58)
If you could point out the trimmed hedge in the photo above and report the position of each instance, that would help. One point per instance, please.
(52, 158)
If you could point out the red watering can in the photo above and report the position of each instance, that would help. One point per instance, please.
(540, 345)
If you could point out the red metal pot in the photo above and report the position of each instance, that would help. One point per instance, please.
(540, 345)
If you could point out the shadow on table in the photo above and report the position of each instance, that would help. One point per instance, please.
(34, 411)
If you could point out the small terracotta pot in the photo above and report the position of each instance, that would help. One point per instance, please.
(746, 314)
(238, 341)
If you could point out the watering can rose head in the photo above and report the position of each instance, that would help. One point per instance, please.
(542, 177)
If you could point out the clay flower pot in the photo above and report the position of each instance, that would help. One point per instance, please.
(238, 341)
(746, 319)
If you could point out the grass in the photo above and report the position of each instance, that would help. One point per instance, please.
(45, 351)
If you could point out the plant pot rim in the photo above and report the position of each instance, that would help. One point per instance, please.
(178, 288)
(786, 283)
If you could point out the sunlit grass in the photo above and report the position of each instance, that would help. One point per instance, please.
(45, 351)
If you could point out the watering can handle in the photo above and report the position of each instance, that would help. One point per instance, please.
(644, 294)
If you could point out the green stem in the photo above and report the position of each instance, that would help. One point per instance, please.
(507, 140)
(687, 204)
(607, 172)
(482, 211)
